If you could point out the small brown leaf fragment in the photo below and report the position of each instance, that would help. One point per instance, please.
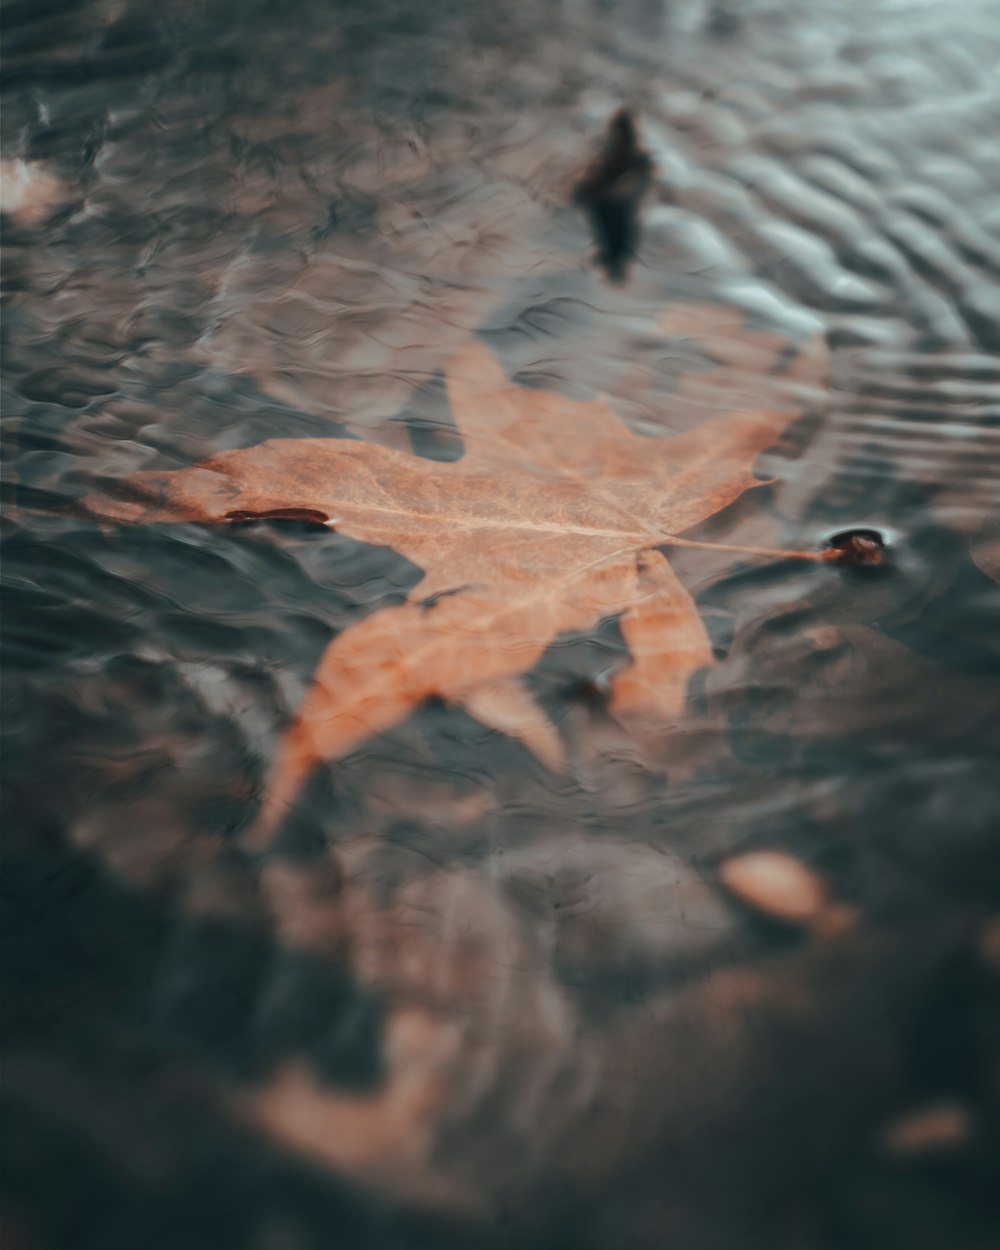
(989, 944)
(937, 1128)
(776, 884)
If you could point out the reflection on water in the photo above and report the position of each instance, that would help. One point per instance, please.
(465, 999)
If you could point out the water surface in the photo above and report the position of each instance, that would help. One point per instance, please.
(467, 1000)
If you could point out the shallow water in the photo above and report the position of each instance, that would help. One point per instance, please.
(468, 1000)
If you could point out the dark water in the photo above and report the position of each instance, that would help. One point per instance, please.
(467, 1001)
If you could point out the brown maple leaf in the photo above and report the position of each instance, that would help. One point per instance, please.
(549, 522)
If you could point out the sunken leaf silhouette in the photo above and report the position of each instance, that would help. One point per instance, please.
(549, 522)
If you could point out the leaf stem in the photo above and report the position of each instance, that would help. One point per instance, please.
(779, 552)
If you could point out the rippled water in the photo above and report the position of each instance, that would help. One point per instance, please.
(468, 1001)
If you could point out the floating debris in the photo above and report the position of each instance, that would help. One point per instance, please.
(611, 193)
(861, 546)
(989, 943)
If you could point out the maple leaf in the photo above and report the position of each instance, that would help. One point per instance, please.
(550, 521)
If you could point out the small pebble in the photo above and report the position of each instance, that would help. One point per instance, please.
(28, 192)
(777, 884)
(857, 547)
(823, 637)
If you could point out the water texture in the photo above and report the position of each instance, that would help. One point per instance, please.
(466, 1000)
